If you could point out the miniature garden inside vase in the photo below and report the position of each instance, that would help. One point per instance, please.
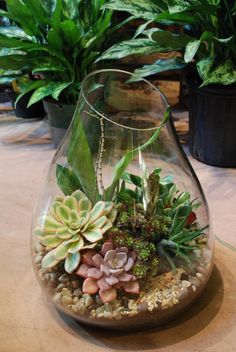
(120, 236)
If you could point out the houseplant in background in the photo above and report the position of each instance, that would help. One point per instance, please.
(207, 40)
(57, 42)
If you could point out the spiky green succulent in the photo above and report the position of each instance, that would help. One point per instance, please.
(71, 225)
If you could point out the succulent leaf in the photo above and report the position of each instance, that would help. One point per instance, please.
(93, 235)
(85, 204)
(76, 246)
(63, 213)
(51, 241)
(49, 260)
(50, 225)
(97, 211)
(72, 261)
(70, 202)
(78, 195)
(72, 225)
(63, 233)
(61, 251)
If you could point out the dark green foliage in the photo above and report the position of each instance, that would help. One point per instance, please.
(204, 32)
(58, 40)
(67, 180)
(169, 231)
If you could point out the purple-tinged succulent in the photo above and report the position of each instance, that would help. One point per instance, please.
(107, 271)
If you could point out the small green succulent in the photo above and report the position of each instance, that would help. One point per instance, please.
(71, 225)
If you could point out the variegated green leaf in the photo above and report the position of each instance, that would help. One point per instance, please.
(72, 261)
(49, 260)
(61, 251)
(97, 211)
(38, 233)
(71, 202)
(63, 233)
(51, 241)
(63, 213)
(84, 204)
(78, 195)
(107, 226)
(98, 224)
(76, 246)
(50, 225)
(93, 235)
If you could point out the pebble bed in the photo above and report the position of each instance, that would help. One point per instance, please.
(160, 293)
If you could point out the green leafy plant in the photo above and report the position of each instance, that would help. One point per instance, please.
(52, 45)
(204, 33)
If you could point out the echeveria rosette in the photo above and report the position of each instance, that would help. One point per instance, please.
(107, 271)
(71, 225)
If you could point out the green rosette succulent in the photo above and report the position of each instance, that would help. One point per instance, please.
(71, 225)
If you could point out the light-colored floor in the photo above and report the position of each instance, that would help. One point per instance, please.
(28, 324)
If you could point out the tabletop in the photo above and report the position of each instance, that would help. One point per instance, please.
(27, 321)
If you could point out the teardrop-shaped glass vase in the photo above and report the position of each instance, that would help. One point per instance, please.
(120, 236)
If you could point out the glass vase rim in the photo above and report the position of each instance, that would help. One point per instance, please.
(93, 73)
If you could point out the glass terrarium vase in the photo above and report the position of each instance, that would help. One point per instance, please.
(120, 236)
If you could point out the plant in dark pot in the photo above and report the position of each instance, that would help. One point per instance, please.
(206, 38)
(58, 42)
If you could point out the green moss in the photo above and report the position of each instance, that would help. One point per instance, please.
(140, 270)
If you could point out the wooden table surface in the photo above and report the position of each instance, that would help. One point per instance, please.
(29, 324)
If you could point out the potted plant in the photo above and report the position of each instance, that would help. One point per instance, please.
(207, 40)
(120, 239)
(57, 42)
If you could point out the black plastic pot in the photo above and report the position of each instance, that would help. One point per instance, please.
(34, 111)
(59, 117)
(212, 125)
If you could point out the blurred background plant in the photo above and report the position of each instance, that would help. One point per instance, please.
(203, 31)
(51, 45)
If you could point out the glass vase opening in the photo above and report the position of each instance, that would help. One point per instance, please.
(120, 235)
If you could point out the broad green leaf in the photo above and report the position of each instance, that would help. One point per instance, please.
(141, 28)
(70, 32)
(178, 17)
(72, 261)
(67, 180)
(147, 9)
(47, 67)
(191, 50)
(224, 74)
(171, 41)
(193, 46)
(53, 89)
(23, 15)
(54, 37)
(130, 47)
(160, 65)
(15, 32)
(121, 166)
(204, 67)
(29, 87)
(38, 10)
(14, 62)
(80, 159)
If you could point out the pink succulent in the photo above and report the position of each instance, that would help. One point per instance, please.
(107, 271)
